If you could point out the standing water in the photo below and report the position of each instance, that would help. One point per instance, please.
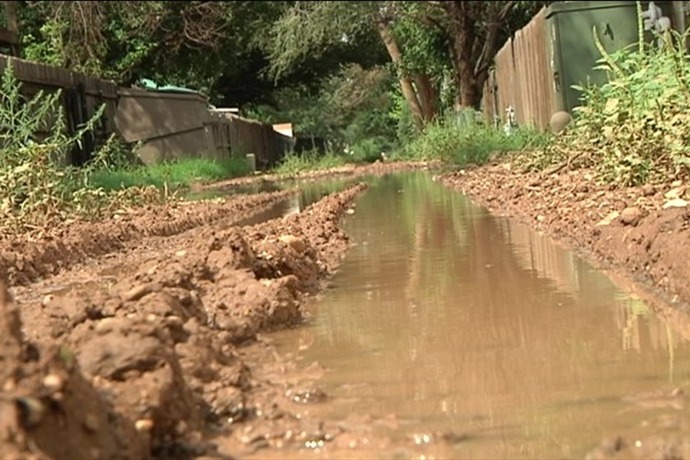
(452, 320)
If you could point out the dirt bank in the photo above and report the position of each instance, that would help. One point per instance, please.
(142, 368)
(642, 231)
(29, 257)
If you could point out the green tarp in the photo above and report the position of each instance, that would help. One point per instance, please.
(151, 85)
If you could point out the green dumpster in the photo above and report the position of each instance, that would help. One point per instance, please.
(571, 47)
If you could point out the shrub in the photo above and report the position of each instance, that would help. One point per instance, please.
(636, 127)
(37, 189)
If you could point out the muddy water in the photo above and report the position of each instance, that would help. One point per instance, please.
(446, 320)
(309, 193)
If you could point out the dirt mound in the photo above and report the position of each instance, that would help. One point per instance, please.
(28, 258)
(143, 368)
(48, 409)
(639, 230)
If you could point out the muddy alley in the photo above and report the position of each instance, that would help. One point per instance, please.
(375, 315)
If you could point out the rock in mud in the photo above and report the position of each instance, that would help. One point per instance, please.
(631, 216)
(296, 243)
(136, 364)
(48, 409)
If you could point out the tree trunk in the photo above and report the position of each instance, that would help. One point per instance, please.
(464, 45)
(10, 9)
(470, 92)
(11, 16)
(428, 95)
(405, 83)
(473, 54)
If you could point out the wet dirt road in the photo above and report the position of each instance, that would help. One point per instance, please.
(445, 333)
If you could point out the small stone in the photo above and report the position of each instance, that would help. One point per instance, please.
(53, 382)
(631, 215)
(648, 190)
(137, 292)
(105, 326)
(608, 219)
(31, 411)
(90, 423)
(541, 218)
(9, 385)
(181, 253)
(674, 193)
(675, 203)
(350, 211)
(47, 300)
(143, 424)
(294, 242)
(174, 320)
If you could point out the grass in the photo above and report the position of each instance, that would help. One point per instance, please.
(176, 174)
(454, 140)
(295, 163)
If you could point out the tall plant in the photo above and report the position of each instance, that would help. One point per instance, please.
(636, 127)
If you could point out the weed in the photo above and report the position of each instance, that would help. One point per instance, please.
(463, 139)
(38, 190)
(175, 174)
(636, 127)
(295, 163)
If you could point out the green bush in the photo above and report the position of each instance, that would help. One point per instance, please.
(463, 139)
(636, 127)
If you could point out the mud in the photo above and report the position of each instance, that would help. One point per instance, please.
(30, 257)
(123, 339)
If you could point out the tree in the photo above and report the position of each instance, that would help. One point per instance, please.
(476, 30)
(308, 29)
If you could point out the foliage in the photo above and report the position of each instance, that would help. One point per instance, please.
(636, 127)
(308, 29)
(295, 163)
(353, 109)
(464, 139)
(175, 174)
(38, 191)
(214, 47)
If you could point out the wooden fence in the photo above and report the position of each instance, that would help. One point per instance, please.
(521, 78)
(168, 125)
(82, 96)
(261, 139)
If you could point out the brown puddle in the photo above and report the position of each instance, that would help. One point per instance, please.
(453, 322)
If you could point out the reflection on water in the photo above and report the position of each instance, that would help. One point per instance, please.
(456, 320)
(309, 193)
